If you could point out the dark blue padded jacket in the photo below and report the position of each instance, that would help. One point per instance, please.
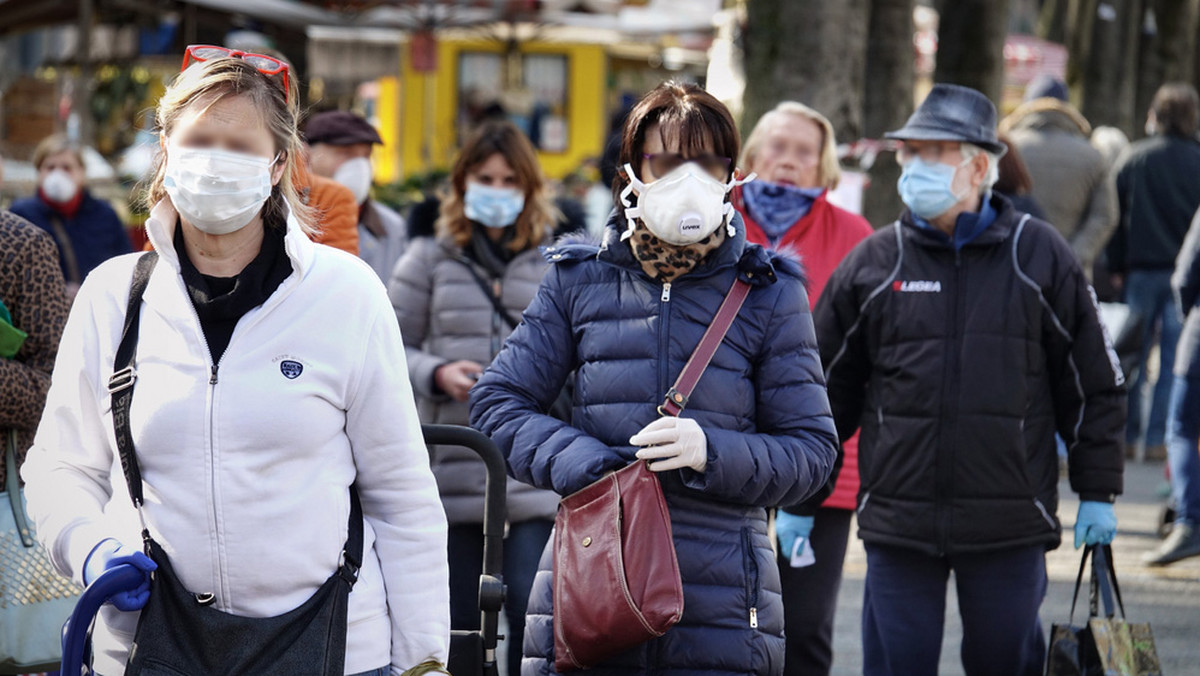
(761, 404)
(94, 235)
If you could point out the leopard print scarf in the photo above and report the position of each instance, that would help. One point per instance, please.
(664, 261)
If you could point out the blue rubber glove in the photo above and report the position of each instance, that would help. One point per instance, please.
(788, 527)
(1096, 523)
(111, 553)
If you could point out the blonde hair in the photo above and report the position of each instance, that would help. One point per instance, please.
(53, 145)
(503, 138)
(829, 172)
(207, 82)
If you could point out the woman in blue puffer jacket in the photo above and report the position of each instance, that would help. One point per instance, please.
(625, 316)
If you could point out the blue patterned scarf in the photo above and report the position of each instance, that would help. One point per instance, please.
(776, 207)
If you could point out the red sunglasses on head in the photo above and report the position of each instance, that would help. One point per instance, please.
(267, 65)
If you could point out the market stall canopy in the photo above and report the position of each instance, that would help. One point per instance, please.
(18, 16)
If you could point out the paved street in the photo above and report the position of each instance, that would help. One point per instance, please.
(1168, 598)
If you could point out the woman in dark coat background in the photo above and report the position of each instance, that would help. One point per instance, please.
(626, 315)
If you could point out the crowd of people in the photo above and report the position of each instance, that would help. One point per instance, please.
(236, 410)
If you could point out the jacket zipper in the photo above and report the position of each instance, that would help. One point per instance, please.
(664, 358)
(944, 472)
(751, 577)
(210, 416)
(497, 320)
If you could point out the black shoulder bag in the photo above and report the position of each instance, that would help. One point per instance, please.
(179, 632)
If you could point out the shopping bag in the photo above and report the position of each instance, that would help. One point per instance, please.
(1105, 645)
(35, 600)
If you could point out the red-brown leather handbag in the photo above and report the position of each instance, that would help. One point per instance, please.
(616, 575)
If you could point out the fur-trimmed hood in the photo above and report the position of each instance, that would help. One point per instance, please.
(1046, 114)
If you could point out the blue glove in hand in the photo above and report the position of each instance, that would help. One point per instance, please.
(788, 527)
(1096, 523)
(110, 554)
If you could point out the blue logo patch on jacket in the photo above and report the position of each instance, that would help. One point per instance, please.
(291, 369)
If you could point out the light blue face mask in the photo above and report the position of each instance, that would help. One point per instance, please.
(925, 187)
(493, 207)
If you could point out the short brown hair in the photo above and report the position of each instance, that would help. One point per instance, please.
(1175, 109)
(685, 113)
(502, 137)
(53, 145)
(1014, 175)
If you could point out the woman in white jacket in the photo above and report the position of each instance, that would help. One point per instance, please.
(270, 377)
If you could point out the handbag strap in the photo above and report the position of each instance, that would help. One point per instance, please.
(12, 486)
(68, 250)
(1079, 581)
(120, 385)
(677, 397)
(489, 292)
(1106, 577)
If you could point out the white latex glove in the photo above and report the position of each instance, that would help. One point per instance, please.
(674, 442)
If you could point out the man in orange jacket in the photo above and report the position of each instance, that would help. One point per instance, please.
(336, 209)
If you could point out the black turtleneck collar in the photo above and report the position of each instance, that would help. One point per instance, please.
(221, 301)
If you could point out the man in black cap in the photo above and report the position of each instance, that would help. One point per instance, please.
(340, 145)
(960, 339)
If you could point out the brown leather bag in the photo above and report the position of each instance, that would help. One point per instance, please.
(616, 578)
(616, 575)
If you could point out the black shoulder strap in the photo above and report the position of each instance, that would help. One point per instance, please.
(68, 251)
(120, 385)
(487, 291)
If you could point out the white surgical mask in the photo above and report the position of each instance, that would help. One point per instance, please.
(58, 186)
(217, 191)
(356, 175)
(681, 208)
(493, 207)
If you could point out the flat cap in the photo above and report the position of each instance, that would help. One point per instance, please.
(340, 128)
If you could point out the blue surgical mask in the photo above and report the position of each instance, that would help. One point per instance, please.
(493, 207)
(925, 187)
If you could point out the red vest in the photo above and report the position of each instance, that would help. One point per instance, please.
(822, 238)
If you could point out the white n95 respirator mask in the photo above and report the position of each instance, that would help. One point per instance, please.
(682, 207)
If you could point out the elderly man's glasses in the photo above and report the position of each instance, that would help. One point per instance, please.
(928, 152)
(267, 65)
(663, 163)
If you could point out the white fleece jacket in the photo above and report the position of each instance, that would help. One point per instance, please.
(247, 464)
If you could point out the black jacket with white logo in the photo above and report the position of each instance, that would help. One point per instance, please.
(959, 367)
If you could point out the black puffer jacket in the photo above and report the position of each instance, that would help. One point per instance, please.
(959, 367)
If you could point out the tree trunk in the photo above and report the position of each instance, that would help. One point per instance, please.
(1177, 21)
(1168, 44)
(1102, 69)
(888, 101)
(971, 44)
(1052, 21)
(811, 51)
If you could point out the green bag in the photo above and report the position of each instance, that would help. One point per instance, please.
(35, 600)
(11, 338)
(1107, 645)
